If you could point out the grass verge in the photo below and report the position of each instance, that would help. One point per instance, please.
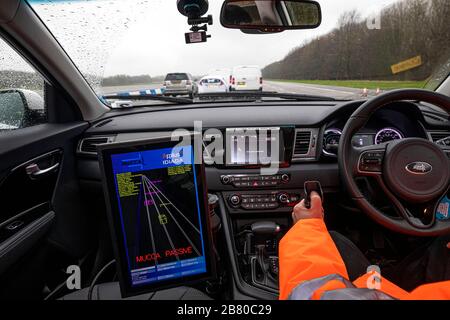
(361, 84)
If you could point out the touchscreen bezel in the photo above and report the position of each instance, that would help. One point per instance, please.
(124, 274)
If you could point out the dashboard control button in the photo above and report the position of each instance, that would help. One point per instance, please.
(235, 200)
(225, 179)
(254, 181)
(283, 198)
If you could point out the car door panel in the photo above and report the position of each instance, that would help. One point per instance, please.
(20, 233)
(29, 187)
(31, 166)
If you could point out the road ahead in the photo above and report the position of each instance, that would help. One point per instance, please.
(318, 90)
(281, 87)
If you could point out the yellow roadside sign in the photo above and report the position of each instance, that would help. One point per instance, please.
(407, 65)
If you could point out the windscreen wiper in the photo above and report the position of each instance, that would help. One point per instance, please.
(251, 95)
(148, 97)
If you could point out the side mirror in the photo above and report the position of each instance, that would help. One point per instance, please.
(20, 108)
(270, 15)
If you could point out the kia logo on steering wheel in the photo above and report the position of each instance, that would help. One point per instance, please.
(419, 167)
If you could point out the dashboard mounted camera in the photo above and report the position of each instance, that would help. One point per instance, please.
(194, 10)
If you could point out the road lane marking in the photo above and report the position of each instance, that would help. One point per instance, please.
(280, 85)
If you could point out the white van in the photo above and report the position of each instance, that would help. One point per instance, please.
(246, 78)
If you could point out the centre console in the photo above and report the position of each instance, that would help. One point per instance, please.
(243, 199)
(259, 209)
(257, 206)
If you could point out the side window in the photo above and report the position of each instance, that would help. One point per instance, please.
(21, 91)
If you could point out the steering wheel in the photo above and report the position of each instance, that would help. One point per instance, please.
(413, 173)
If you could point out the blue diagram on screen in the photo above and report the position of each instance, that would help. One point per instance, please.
(159, 209)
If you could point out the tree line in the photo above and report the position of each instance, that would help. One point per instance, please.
(122, 79)
(352, 51)
(32, 80)
(10, 79)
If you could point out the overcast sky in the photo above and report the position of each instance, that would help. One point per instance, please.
(147, 37)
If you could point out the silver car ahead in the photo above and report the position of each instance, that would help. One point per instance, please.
(180, 84)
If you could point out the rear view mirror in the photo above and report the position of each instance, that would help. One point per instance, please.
(270, 15)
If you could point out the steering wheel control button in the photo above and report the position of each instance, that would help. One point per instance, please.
(371, 161)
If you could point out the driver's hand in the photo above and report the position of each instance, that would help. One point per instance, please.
(315, 212)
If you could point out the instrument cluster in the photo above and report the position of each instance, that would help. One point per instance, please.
(332, 136)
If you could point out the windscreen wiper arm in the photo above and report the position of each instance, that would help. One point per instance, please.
(256, 95)
(149, 97)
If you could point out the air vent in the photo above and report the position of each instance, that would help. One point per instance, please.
(305, 145)
(89, 145)
(302, 143)
(436, 136)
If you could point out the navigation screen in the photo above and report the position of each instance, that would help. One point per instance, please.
(160, 216)
(254, 146)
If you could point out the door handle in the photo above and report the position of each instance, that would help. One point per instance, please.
(34, 172)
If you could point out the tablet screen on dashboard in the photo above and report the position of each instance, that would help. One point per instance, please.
(158, 214)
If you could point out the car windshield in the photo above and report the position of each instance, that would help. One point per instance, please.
(361, 48)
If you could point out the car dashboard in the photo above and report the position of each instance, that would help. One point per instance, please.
(310, 133)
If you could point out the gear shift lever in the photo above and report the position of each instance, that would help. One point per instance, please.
(265, 228)
(261, 256)
(262, 273)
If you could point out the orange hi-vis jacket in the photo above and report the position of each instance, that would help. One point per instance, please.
(312, 268)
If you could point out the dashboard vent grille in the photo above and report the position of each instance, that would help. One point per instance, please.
(436, 136)
(302, 143)
(89, 145)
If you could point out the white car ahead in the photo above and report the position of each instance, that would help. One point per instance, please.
(222, 73)
(212, 84)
